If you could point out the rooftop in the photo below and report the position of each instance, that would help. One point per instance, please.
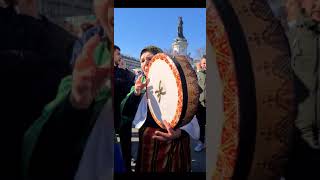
(130, 57)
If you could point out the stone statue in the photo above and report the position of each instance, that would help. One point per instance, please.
(180, 28)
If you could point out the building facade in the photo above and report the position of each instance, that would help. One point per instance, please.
(131, 62)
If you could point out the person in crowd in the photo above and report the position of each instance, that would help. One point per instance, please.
(34, 55)
(304, 37)
(122, 64)
(123, 82)
(201, 112)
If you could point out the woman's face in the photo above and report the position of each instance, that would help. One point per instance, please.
(144, 61)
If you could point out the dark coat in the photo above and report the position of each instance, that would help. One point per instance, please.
(34, 57)
(123, 81)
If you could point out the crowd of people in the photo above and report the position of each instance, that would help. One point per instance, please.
(66, 128)
(68, 81)
(34, 55)
(201, 113)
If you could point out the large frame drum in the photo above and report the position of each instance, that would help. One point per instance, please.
(172, 90)
(256, 98)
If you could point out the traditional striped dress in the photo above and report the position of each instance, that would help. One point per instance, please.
(154, 155)
(158, 156)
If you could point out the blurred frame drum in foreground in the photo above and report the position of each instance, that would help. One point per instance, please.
(253, 100)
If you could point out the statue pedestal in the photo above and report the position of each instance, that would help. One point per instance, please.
(179, 46)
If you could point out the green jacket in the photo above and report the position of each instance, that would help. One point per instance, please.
(202, 83)
(305, 43)
(59, 135)
(128, 112)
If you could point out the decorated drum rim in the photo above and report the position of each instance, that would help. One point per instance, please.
(242, 61)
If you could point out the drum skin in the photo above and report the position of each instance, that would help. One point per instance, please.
(253, 59)
(188, 89)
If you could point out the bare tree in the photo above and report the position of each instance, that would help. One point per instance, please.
(201, 52)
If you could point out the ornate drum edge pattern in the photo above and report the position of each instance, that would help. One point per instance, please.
(176, 118)
(227, 153)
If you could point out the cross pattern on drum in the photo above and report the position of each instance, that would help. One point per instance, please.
(160, 92)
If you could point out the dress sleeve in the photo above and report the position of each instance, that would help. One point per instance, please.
(192, 129)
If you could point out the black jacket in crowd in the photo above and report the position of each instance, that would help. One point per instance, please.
(34, 56)
(123, 81)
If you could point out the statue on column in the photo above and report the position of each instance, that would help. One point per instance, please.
(180, 28)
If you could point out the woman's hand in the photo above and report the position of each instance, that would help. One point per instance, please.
(139, 86)
(170, 135)
(87, 78)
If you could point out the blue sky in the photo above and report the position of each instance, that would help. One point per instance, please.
(135, 28)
